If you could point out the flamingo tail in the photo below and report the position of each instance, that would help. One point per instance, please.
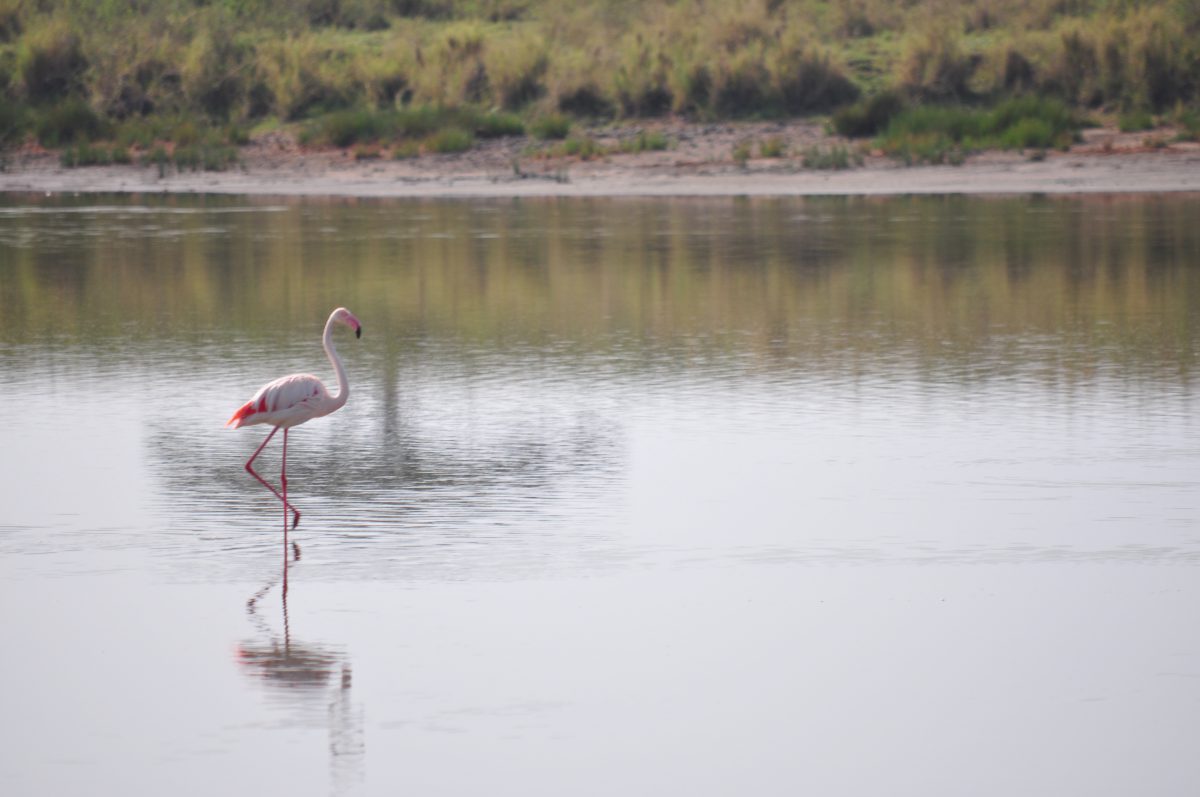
(239, 417)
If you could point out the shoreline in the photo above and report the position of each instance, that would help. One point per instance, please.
(697, 165)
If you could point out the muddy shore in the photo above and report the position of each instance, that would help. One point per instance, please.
(698, 163)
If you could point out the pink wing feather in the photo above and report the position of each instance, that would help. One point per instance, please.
(287, 401)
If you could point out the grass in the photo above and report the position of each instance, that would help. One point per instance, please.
(450, 140)
(361, 126)
(868, 117)
(1135, 121)
(645, 141)
(554, 126)
(382, 72)
(1188, 121)
(773, 147)
(70, 122)
(940, 134)
(582, 147)
(833, 158)
(741, 153)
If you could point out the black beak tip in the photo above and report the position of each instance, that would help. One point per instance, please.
(358, 332)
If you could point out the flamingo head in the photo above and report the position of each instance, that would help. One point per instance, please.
(346, 317)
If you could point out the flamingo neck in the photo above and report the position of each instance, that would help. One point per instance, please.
(331, 352)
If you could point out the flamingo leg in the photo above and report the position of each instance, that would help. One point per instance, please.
(283, 481)
(264, 483)
(283, 488)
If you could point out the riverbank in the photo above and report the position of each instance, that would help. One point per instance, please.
(699, 162)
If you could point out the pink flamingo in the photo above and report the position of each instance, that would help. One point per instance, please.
(292, 400)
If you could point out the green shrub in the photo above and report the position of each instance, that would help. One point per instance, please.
(516, 66)
(937, 133)
(14, 121)
(641, 81)
(741, 86)
(868, 117)
(343, 128)
(212, 74)
(1134, 121)
(551, 126)
(582, 147)
(1188, 121)
(645, 141)
(405, 150)
(1027, 133)
(493, 125)
(85, 154)
(935, 66)
(836, 157)
(69, 122)
(741, 153)
(586, 100)
(349, 127)
(186, 157)
(450, 140)
(774, 147)
(50, 62)
(808, 81)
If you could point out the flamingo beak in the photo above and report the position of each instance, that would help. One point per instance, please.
(358, 331)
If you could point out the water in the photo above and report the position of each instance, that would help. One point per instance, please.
(836, 496)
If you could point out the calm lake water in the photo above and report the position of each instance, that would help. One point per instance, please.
(823, 496)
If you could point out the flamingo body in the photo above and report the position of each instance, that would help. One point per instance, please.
(286, 402)
(292, 400)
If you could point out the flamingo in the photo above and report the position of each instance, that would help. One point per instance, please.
(291, 400)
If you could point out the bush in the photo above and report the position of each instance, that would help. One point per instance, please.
(68, 123)
(84, 154)
(551, 126)
(741, 153)
(492, 125)
(584, 148)
(405, 150)
(450, 140)
(586, 100)
(868, 117)
(345, 128)
(1188, 121)
(836, 157)
(774, 147)
(935, 67)
(641, 81)
(1134, 121)
(207, 157)
(1075, 73)
(1028, 133)
(645, 141)
(14, 121)
(515, 70)
(211, 71)
(51, 63)
(301, 75)
(740, 87)
(937, 133)
(808, 82)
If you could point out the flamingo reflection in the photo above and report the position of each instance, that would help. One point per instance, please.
(313, 679)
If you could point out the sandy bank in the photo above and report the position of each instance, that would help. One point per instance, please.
(698, 164)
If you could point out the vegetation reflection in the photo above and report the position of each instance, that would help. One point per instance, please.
(819, 279)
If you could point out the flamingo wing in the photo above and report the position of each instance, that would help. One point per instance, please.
(287, 401)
